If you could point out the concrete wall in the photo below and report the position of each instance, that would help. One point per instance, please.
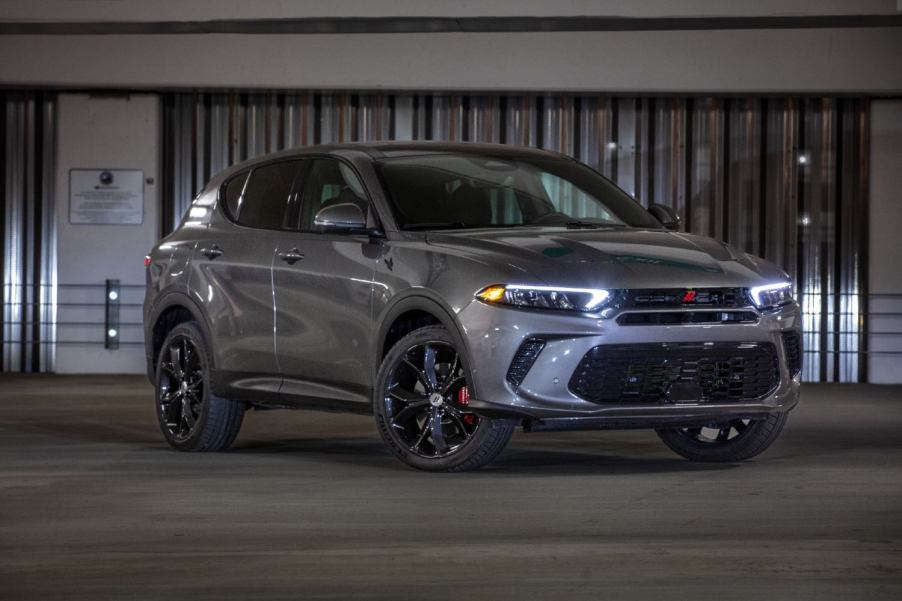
(101, 132)
(763, 60)
(184, 10)
(885, 273)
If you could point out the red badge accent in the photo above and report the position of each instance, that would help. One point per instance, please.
(689, 296)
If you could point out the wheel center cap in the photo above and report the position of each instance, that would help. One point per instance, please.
(436, 399)
(183, 387)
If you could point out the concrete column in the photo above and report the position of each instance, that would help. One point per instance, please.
(104, 132)
(885, 244)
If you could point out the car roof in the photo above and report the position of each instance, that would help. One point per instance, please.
(392, 149)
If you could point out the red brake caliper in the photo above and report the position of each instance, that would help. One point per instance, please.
(463, 398)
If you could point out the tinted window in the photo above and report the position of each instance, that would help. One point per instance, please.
(469, 190)
(329, 182)
(231, 193)
(265, 197)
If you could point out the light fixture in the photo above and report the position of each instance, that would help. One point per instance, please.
(111, 310)
(545, 297)
(769, 296)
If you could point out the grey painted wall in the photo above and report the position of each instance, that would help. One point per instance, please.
(786, 60)
(104, 132)
(217, 9)
(886, 240)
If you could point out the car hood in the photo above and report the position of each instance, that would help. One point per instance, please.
(610, 258)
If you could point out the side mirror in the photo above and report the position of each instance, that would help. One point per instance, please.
(344, 217)
(666, 215)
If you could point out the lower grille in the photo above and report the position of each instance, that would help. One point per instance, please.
(524, 358)
(651, 373)
(792, 346)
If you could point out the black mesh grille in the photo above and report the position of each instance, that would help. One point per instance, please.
(650, 373)
(792, 346)
(524, 358)
(670, 318)
(677, 297)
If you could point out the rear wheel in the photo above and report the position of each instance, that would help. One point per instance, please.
(421, 406)
(732, 441)
(191, 417)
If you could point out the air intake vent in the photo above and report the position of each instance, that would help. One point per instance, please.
(523, 360)
(652, 373)
(792, 347)
(676, 318)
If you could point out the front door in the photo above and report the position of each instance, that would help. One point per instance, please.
(323, 288)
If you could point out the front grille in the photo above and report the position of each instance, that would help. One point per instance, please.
(651, 373)
(676, 318)
(683, 297)
(792, 347)
(524, 358)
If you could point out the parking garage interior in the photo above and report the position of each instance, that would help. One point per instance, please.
(773, 126)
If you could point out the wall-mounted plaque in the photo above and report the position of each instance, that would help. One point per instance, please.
(106, 196)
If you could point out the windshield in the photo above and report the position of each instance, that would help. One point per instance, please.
(471, 191)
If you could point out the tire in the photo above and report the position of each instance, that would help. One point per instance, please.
(425, 431)
(190, 416)
(751, 438)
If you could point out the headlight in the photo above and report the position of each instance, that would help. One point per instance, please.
(545, 297)
(772, 295)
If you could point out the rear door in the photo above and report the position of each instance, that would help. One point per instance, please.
(233, 264)
(323, 287)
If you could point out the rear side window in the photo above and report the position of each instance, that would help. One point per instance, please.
(265, 199)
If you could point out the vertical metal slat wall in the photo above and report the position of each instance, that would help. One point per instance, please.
(27, 218)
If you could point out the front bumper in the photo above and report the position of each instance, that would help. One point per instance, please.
(543, 399)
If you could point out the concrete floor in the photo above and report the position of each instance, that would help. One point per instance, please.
(93, 505)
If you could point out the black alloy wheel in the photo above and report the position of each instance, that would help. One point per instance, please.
(736, 440)
(426, 400)
(716, 433)
(422, 406)
(180, 386)
(191, 417)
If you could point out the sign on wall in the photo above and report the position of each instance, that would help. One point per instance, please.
(106, 196)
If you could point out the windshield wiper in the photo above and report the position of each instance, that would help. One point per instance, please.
(590, 225)
(435, 225)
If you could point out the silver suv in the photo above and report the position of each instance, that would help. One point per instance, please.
(455, 292)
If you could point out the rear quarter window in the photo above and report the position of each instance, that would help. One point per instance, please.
(231, 194)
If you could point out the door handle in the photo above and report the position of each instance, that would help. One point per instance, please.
(292, 256)
(212, 252)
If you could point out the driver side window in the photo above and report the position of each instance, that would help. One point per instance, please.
(329, 182)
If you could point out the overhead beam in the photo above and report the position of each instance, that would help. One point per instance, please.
(396, 25)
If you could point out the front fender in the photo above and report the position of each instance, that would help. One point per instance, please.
(417, 299)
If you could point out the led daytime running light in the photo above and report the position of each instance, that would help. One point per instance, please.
(757, 291)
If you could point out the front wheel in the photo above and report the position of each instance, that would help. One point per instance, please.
(422, 410)
(728, 442)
